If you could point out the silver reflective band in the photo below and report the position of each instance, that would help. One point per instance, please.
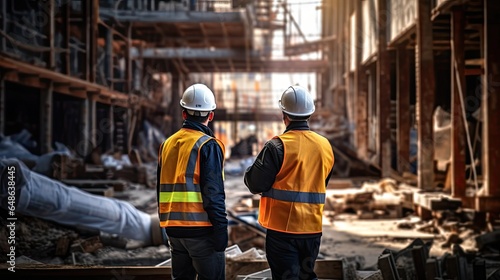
(180, 188)
(193, 157)
(184, 216)
(292, 196)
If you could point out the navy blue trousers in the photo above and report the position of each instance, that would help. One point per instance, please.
(292, 258)
(196, 256)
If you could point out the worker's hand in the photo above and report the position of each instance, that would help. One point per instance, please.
(220, 238)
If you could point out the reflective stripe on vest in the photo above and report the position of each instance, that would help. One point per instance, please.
(296, 200)
(181, 204)
(293, 196)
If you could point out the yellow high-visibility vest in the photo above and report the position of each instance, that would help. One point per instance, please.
(295, 202)
(180, 202)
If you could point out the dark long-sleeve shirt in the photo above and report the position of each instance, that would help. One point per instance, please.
(211, 184)
(260, 176)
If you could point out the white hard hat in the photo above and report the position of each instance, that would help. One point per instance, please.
(198, 97)
(297, 101)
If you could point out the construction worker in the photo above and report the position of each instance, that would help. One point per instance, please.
(292, 172)
(190, 190)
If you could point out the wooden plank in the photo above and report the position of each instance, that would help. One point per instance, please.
(458, 148)
(432, 269)
(387, 266)
(425, 83)
(419, 255)
(403, 109)
(491, 99)
(383, 92)
(63, 272)
(326, 269)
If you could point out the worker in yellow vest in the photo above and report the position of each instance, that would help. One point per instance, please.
(191, 197)
(292, 172)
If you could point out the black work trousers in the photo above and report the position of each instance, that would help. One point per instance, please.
(292, 258)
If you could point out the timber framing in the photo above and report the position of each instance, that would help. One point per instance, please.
(438, 53)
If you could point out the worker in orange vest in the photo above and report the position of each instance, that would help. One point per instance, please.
(292, 172)
(191, 197)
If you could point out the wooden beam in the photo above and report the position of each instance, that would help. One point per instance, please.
(46, 108)
(458, 147)
(155, 17)
(30, 80)
(92, 109)
(2, 104)
(360, 89)
(425, 83)
(108, 61)
(3, 22)
(176, 97)
(419, 256)
(52, 32)
(403, 108)
(491, 99)
(383, 91)
(66, 31)
(128, 58)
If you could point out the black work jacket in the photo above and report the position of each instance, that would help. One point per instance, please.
(260, 176)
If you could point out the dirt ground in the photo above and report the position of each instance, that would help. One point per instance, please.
(362, 241)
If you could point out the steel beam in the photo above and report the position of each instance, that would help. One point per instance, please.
(190, 53)
(170, 17)
(425, 84)
(458, 147)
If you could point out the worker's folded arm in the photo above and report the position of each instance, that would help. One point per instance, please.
(212, 184)
(261, 175)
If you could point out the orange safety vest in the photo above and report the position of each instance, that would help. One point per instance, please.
(180, 202)
(295, 202)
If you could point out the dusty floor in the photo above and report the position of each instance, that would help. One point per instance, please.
(362, 241)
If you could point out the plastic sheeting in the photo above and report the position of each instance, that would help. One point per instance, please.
(42, 197)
